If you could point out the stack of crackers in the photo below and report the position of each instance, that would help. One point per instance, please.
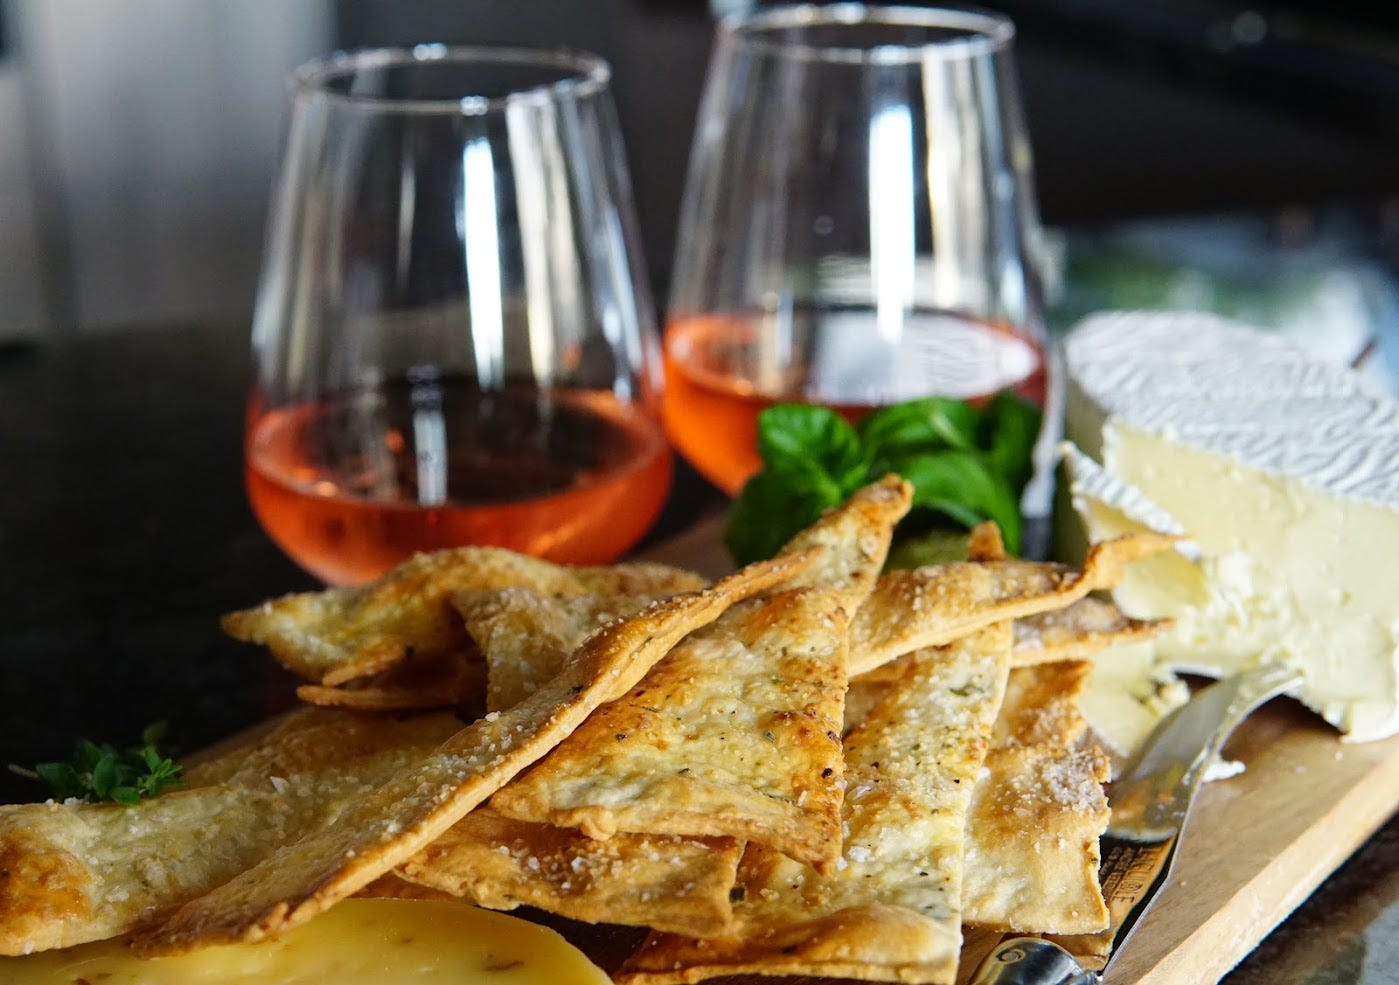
(805, 768)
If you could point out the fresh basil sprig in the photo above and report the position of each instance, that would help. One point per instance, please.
(97, 772)
(966, 464)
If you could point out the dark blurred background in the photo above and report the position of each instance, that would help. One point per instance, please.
(138, 138)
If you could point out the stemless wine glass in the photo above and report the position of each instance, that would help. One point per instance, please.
(453, 342)
(857, 225)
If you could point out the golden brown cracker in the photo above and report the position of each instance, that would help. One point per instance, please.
(736, 733)
(985, 543)
(525, 634)
(340, 634)
(1078, 631)
(663, 881)
(322, 862)
(891, 910)
(76, 872)
(930, 606)
(1037, 813)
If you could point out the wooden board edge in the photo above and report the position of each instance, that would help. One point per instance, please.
(1229, 934)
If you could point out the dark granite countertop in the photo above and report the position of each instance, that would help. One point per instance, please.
(124, 534)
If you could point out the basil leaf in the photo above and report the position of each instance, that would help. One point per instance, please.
(927, 424)
(1008, 431)
(965, 464)
(959, 484)
(814, 447)
(768, 512)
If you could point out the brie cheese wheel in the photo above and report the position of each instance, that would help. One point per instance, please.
(1283, 471)
(355, 942)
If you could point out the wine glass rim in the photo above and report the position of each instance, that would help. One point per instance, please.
(581, 74)
(983, 32)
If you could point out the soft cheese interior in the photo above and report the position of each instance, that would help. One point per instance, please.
(1294, 556)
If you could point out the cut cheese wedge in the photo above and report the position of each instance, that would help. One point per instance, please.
(358, 942)
(1284, 472)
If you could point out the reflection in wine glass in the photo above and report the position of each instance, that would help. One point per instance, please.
(453, 342)
(857, 225)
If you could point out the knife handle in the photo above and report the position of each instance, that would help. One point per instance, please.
(1032, 961)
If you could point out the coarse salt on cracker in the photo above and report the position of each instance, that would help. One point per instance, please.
(891, 910)
(934, 605)
(322, 863)
(1038, 811)
(736, 733)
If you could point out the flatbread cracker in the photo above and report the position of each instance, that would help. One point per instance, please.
(308, 739)
(526, 634)
(892, 909)
(736, 733)
(1078, 631)
(934, 605)
(985, 543)
(1041, 707)
(663, 881)
(1037, 813)
(321, 863)
(343, 634)
(76, 872)
(421, 681)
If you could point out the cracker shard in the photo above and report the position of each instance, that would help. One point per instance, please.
(934, 605)
(76, 872)
(343, 634)
(663, 881)
(323, 862)
(736, 732)
(891, 911)
(1078, 631)
(526, 634)
(1038, 811)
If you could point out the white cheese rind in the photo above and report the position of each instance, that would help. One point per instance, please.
(1092, 487)
(1283, 469)
(1232, 390)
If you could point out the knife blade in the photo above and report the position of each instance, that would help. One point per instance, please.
(1150, 802)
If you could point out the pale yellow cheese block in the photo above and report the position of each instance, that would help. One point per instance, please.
(358, 942)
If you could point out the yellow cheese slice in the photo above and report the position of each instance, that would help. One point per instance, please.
(357, 942)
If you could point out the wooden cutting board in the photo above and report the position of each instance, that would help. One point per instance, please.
(1257, 844)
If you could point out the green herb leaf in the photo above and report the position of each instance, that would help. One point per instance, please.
(154, 733)
(812, 461)
(104, 776)
(960, 485)
(61, 778)
(927, 424)
(802, 431)
(966, 465)
(1008, 431)
(768, 512)
(102, 772)
(813, 447)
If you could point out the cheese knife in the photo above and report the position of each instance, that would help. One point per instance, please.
(1151, 802)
